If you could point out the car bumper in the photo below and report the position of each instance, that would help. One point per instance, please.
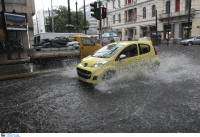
(89, 74)
(183, 42)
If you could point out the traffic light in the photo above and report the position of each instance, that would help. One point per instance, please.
(95, 10)
(104, 12)
(49, 29)
(55, 30)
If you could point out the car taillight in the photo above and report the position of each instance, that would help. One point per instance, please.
(155, 50)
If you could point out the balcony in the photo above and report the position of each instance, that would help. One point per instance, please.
(132, 3)
(176, 14)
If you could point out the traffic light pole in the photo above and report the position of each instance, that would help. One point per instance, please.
(100, 27)
(188, 29)
(6, 32)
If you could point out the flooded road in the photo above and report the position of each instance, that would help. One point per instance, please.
(165, 101)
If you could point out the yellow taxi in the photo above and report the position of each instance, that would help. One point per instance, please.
(147, 39)
(117, 57)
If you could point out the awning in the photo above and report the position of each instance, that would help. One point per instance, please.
(159, 31)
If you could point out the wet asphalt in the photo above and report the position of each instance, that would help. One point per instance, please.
(167, 101)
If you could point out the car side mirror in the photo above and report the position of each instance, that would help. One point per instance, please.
(93, 43)
(122, 56)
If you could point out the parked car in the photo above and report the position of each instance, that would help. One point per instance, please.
(117, 57)
(95, 38)
(107, 40)
(191, 41)
(147, 39)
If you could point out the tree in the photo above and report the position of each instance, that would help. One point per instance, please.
(61, 19)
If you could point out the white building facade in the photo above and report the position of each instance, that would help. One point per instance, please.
(40, 21)
(137, 18)
(93, 22)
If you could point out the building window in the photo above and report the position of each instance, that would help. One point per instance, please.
(177, 5)
(187, 5)
(135, 14)
(167, 7)
(130, 15)
(144, 12)
(119, 15)
(113, 19)
(119, 3)
(129, 1)
(153, 11)
(113, 4)
(126, 32)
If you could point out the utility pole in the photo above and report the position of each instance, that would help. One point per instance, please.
(100, 28)
(84, 17)
(43, 16)
(168, 24)
(37, 24)
(69, 15)
(76, 14)
(156, 27)
(6, 32)
(188, 29)
(52, 17)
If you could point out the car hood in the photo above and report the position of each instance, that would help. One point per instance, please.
(89, 61)
(187, 39)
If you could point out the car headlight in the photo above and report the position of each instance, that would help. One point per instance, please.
(100, 64)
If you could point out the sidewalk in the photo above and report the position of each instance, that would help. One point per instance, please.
(14, 58)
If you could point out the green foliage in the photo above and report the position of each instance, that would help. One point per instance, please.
(61, 19)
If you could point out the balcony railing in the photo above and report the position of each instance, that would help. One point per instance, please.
(133, 2)
(178, 13)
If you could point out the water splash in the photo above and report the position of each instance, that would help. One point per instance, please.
(173, 68)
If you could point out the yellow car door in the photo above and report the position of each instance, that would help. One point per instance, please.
(130, 61)
(88, 47)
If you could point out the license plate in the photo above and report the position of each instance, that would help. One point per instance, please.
(83, 79)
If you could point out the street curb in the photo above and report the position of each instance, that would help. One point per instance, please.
(25, 75)
(14, 62)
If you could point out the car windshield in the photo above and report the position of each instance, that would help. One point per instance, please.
(107, 51)
(146, 39)
(191, 38)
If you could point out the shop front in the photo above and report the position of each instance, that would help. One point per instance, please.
(12, 28)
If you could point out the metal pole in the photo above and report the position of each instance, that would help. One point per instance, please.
(43, 15)
(69, 14)
(84, 17)
(156, 27)
(37, 24)
(76, 14)
(6, 32)
(100, 28)
(188, 29)
(168, 24)
(52, 17)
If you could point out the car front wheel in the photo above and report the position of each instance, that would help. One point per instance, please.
(108, 75)
(189, 43)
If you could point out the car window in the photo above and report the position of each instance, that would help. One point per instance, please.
(130, 51)
(198, 37)
(87, 42)
(144, 48)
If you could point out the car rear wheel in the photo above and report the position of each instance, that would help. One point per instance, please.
(155, 67)
(109, 75)
(189, 43)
